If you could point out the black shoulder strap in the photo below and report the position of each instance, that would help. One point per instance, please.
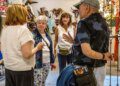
(45, 42)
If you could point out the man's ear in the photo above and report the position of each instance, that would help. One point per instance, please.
(87, 9)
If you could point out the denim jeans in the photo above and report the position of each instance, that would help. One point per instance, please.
(63, 61)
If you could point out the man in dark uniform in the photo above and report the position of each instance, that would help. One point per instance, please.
(92, 39)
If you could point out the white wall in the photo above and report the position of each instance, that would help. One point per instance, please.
(50, 4)
(14, 1)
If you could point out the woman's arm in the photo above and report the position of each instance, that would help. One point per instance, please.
(68, 37)
(28, 51)
(56, 40)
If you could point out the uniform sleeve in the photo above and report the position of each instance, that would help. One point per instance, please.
(82, 33)
(26, 36)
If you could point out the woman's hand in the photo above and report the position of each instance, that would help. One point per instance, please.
(1, 61)
(68, 38)
(40, 45)
(53, 66)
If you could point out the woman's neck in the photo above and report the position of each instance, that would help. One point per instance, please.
(65, 27)
(41, 31)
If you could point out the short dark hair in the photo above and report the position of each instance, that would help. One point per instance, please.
(65, 15)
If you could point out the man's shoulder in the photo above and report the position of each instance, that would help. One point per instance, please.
(81, 23)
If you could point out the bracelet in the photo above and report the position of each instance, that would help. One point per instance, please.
(103, 56)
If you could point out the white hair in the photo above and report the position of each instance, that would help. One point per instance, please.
(41, 18)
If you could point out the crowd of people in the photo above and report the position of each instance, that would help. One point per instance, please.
(29, 54)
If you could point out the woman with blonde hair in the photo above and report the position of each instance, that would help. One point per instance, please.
(44, 57)
(17, 46)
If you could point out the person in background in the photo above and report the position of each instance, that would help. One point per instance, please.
(17, 47)
(31, 19)
(0, 24)
(64, 46)
(44, 57)
(92, 40)
(1, 60)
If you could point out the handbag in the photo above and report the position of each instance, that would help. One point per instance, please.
(63, 50)
(69, 76)
(84, 76)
